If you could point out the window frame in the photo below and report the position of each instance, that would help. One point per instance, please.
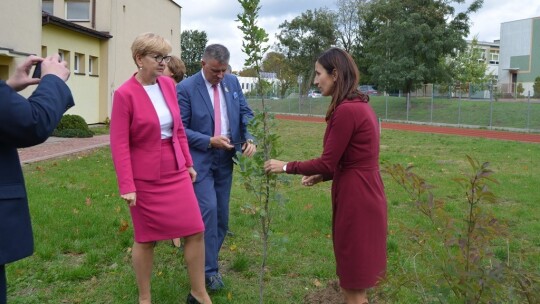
(93, 65)
(77, 19)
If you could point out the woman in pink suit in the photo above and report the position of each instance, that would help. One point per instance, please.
(351, 159)
(154, 168)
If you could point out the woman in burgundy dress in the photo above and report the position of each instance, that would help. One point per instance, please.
(351, 159)
(154, 167)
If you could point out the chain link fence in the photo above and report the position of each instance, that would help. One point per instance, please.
(471, 106)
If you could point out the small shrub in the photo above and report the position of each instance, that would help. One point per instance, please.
(454, 255)
(72, 126)
(107, 122)
(73, 133)
(520, 89)
(536, 87)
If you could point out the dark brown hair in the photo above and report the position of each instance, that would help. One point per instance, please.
(337, 61)
(177, 68)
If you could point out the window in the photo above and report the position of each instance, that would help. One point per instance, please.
(93, 68)
(47, 6)
(78, 10)
(4, 72)
(78, 63)
(64, 55)
(494, 56)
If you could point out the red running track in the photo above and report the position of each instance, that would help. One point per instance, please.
(502, 135)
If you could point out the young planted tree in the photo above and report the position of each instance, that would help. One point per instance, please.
(261, 185)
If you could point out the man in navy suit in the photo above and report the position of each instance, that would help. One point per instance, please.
(23, 123)
(214, 137)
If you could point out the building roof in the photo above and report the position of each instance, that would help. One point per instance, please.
(12, 53)
(178, 4)
(50, 19)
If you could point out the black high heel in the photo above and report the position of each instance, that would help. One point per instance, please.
(191, 299)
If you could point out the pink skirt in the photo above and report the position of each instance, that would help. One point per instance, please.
(166, 208)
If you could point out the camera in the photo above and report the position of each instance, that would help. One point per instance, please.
(37, 70)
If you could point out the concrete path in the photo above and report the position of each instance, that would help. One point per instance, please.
(57, 147)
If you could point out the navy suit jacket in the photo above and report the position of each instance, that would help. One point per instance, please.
(198, 117)
(24, 122)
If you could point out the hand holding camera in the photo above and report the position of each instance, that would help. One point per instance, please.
(50, 65)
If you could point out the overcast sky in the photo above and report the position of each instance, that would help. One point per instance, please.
(217, 19)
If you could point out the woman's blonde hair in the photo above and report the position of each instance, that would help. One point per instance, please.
(149, 43)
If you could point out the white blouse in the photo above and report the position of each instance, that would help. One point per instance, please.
(163, 112)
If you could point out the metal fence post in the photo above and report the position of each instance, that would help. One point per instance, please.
(408, 100)
(386, 112)
(300, 80)
(528, 110)
(289, 104)
(459, 108)
(491, 115)
(432, 96)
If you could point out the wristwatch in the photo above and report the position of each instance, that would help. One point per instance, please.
(285, 168)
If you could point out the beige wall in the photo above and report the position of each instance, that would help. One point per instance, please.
(25, 16)
(124, 20)
(85, 88)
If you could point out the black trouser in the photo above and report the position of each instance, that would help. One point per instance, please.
(3, 291)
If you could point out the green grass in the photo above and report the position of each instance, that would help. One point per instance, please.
(82, 254)
(99, 129)
(479, 113)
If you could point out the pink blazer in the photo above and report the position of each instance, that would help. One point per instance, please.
(136, 133)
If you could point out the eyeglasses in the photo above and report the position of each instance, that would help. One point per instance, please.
(161, 58)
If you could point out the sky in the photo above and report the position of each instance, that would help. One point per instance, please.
(218, 19)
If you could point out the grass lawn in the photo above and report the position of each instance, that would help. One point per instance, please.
(83, 230)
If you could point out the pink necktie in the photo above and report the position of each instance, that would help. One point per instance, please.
(217, 112)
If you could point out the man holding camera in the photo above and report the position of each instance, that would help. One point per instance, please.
(23, 123)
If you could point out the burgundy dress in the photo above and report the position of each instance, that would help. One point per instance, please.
(359, 220)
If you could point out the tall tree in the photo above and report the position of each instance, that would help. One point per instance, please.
(248, 72)
(277, 63)
(470, 65)
(348, 23)
(406, 42)
(304, 38)
(193, 43)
